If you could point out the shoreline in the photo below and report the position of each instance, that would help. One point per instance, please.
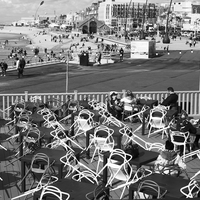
(31, 34)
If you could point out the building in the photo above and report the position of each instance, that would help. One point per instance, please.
(127, 14)
(190, 13)
(92, 25)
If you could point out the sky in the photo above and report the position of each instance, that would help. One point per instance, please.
(13, 10)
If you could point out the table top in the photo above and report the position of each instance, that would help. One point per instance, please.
(77, 190)
(148, 102)
(53, 154)
(171, 183)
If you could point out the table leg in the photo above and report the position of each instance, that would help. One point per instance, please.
(72, 123)
(60, 171)
(21, 144)
(105, 176)
(143, 124)
(87, 145)
(22, 176)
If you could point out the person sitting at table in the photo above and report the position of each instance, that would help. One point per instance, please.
(168, 157)
(114, 105)
(130, 103)
(171, 100)
(184, 125)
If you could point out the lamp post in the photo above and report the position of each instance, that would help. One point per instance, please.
(166, 39)
(41, 3)
(142, 36)
(67, 72)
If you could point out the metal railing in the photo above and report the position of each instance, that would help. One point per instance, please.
(188, 100)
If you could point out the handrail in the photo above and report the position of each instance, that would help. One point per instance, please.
(187, 100)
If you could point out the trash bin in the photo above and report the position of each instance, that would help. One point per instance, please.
(84, 59)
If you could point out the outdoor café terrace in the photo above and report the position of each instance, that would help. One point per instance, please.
(15, 162)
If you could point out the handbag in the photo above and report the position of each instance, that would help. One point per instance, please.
(132, 149)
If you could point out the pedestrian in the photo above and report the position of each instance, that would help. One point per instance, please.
(190, 43)
(99, 58)
(18, 67)
(194, 43)
(22, 65)
(121, 54)
(4, 67)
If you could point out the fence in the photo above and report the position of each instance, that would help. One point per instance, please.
(188, 100)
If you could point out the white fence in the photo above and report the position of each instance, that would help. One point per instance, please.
(188, 100)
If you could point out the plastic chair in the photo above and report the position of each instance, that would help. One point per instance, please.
(180, 139)
(83, 123)
(147, 185)
(77, 169)
(103, 141)
(158, 146)
(118, 170)
(157, 120)
(108, 119)
(55, 192)
(42, 172)
(191, 190)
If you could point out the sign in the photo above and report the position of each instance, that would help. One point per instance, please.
(142, 49)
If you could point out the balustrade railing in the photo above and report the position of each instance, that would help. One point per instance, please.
(188, 100)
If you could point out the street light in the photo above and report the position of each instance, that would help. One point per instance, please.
(143, 20)
(67, 72)
(166, 39)
(41, 3)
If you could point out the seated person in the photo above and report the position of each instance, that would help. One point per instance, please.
(184, 125)
(115, 105)
(129, 101)
(168, 157)
(171, 100)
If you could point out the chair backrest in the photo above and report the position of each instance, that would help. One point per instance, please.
(157, 118)
(191, 190)
(40, 163)
(156, 146)
(147, 185)
(55, 192)
(118, 164)
(179, 138)
(103, 138)
(82, 171)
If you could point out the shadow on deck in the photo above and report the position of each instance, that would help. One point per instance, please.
(11, 172)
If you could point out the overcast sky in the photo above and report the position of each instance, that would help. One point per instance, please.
(13, 10)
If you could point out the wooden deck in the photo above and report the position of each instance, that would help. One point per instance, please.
(10, 173)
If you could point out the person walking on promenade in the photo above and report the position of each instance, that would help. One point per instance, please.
(99, 58)
(121, 54)
(22, 65)
(18, 67)
(4, 67)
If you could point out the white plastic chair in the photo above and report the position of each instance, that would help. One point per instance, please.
(54, 191)
(180, 139)
(83, 123)
(118, 169)
(35, 98)
(78, 169)
(157, 146)
(157, 120)
(191, 190)
(108, 119)
(103, 141)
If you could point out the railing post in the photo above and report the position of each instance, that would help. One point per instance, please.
(26, 95)
(75, 95)
(123, 93)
